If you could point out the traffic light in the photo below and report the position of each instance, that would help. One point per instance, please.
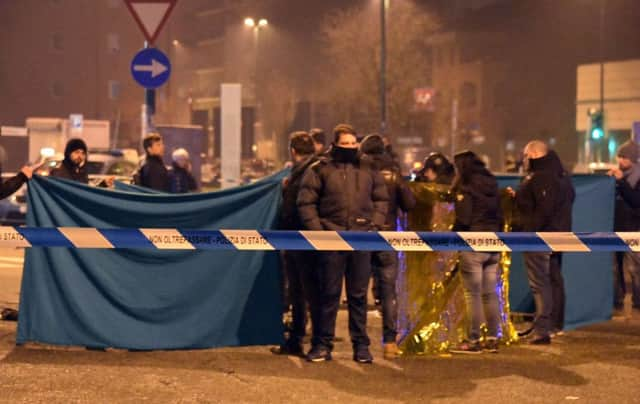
(597, 124)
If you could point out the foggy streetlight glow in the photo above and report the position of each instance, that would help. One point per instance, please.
(249, 22)
(176, 42)
(263, 22)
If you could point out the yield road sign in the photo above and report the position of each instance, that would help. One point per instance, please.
(151, 15)
(150, 68)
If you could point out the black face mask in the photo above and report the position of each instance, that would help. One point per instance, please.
(344, 154)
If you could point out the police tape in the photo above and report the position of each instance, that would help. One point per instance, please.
(179, 239)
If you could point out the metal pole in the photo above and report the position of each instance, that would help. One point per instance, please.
(383, 66)
(602, 21)
(149, 101)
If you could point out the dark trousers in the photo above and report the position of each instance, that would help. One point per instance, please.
(299, 267)
(626, 262)
(538, 272)
(384, 265)
(557, 291)
(332, 268)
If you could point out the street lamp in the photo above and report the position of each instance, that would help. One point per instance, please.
(263, 22)
(257, 25)
(383, 65)
(250, 22)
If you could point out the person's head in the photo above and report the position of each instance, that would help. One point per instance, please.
(153, 145)
(180, 158)
(301, 146)
(467, 163)
(435, 166)
(76, 152)
(319, 140)
(373, 145)
(535, 149)
(627, 155)
(345, 136)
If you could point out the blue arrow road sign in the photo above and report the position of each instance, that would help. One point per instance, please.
(150, 68)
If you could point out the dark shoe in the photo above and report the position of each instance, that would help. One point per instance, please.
(467, 347)
(540, 340)
(95, 348)
(319, 354)
(361, 354)
(288, 349)
(491, 345)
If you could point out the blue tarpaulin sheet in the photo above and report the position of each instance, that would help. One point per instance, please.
(150, 299)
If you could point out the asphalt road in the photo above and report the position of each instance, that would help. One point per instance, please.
(598, 364)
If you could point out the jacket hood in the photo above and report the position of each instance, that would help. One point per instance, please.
(549, 162)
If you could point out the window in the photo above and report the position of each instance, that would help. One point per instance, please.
(57, 89)
(114, 89)
(468, 95)
(113, 42)
(57, 42)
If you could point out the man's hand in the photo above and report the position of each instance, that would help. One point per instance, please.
(616, 172)
(27, 171)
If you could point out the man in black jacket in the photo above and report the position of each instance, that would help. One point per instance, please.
(153, 173)
(74, 165)
(627, 219)
(298, 265)
(539, 200)
(338, 193)
(385, 263)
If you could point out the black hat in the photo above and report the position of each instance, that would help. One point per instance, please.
(372, 144)
(73, 145)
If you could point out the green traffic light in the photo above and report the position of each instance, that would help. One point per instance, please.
(597, 133)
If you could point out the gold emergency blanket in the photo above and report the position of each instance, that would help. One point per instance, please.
(432, 313)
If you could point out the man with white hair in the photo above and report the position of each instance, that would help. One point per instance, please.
(181, 180)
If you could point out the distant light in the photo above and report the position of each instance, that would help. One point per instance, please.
(176, 42)
(254, 148)
(613, 145)
(250, 22)
(263, 22)
(417, 165)
(597, 133)
(47, 152)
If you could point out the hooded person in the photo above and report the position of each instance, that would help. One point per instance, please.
(74, 165)
(181, 179)
(478, 210)
(436, 169)
(384, 264)
(627, 219)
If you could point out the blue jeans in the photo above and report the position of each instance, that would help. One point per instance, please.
(539, 272)
(480, 278)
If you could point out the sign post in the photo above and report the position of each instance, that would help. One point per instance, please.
(150, 67)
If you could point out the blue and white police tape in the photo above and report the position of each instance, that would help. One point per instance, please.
(178, 239)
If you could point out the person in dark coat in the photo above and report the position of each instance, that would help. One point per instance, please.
(385, 263)
(181, 179)
(298, 265)
(153, 173)
(436, 169)
(627, 219)
(74, 165)
(338, 193)
(477, 208)
(319, 141)
(563, 222)
(542, 201)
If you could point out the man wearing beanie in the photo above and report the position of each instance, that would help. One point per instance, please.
(384, 264)
(73, 167)
(627, 218)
